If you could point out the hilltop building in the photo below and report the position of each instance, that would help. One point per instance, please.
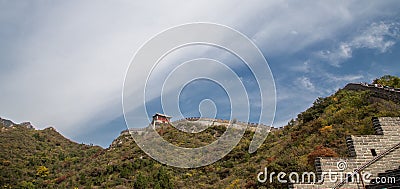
(159, 118)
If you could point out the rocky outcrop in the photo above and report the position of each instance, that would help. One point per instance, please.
(8, 123)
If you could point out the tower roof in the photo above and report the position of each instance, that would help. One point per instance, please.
(162, 115)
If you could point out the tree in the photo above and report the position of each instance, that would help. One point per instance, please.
(27, 185)
(42, 171)
(140, 182)
(388, 80)
(320, 151)
(163, 180)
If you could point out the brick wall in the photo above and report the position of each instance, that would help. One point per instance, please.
(360, 148)
(385, 93)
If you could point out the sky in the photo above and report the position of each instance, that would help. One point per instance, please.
(63, 63)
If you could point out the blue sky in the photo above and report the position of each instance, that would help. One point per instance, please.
(62, 63)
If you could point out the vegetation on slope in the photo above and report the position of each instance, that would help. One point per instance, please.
(39, 158)
(388, 80)
(318, 131)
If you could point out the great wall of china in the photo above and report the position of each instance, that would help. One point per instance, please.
(198, 124)
(377, 155)
(207, 122)
(387, 93)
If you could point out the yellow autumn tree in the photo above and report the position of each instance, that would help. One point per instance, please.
(42, 171)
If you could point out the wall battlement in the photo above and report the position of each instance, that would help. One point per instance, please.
(363, 149)
(208, 122)
(386, 93)
(222, 122)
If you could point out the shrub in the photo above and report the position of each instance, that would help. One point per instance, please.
(42, 171)
(320, 151)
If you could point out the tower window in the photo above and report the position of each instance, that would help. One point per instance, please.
(373, 152)
(350, 178)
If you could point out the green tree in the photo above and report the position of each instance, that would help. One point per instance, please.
(27, 185)
(163, 180)
(140, 182)
(388, 80)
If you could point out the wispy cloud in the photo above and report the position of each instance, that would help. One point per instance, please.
(378, 36)
(63, 63)
(303, 67)
(305, 83)
(346, 78)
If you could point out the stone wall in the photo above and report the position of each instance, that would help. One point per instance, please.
(221, 122)
(380, 92)
(387, 179)
(362, 150)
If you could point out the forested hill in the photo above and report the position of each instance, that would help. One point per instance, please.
(45, 159)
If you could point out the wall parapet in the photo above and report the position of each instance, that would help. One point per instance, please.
(372, 154)
(387, 93)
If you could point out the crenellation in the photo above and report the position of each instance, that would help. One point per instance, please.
(362, 150)
(377, 91)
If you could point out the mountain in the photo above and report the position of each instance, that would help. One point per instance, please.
(32, 158)
(45, 159)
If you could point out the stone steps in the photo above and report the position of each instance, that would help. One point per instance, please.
(377, 154)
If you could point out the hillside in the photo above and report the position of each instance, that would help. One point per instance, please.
(37, 159)
(32, 158)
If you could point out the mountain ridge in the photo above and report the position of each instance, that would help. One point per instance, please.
(46, 160)
(9, 123)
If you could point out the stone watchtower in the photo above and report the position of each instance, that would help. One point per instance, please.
(159, 118)
(369, 154)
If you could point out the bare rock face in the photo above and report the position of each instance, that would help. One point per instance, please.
(28, 125)
(8, 123)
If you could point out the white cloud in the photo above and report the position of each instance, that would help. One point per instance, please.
(304, 67)
(66, 61)
(343, 78)
(379, 36)
(305, 83)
